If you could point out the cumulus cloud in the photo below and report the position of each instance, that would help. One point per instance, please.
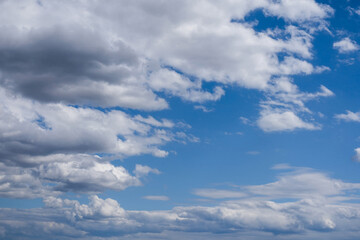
(346, 45)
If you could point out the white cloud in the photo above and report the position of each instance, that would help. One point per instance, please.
(346, 45)
(284, 102)
(304, 10)
(349, 116)
(284, 121)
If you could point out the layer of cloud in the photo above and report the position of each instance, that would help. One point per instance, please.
(319, 208)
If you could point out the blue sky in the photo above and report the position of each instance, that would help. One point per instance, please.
(180, 119)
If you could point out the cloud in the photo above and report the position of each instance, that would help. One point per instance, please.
(349, 116)
(218, 194)
(101, 56)
(285, 121)
(30, 129)
(157, 198)
(65, 173)
(320, 208)
(203, 108)
(177, 85)
(357, 155)
(346, 45)
(284, 102)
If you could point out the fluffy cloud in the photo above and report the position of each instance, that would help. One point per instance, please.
(346, 45)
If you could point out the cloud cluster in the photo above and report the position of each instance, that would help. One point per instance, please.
(120, 54)
(63, 81)
(319, 206)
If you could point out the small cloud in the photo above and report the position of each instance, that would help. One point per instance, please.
(353, 11)
(349, 116)
(253, 153)
(356, 157)
(346, 45)
(233, 133)
(203, 108)
(141, 170)
(218, 193)
(157, 198)
(282, 166)
(285, 121)
(244, 120)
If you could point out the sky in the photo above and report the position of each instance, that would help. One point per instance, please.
(180, 119)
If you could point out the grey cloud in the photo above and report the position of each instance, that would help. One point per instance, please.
(74, 66)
